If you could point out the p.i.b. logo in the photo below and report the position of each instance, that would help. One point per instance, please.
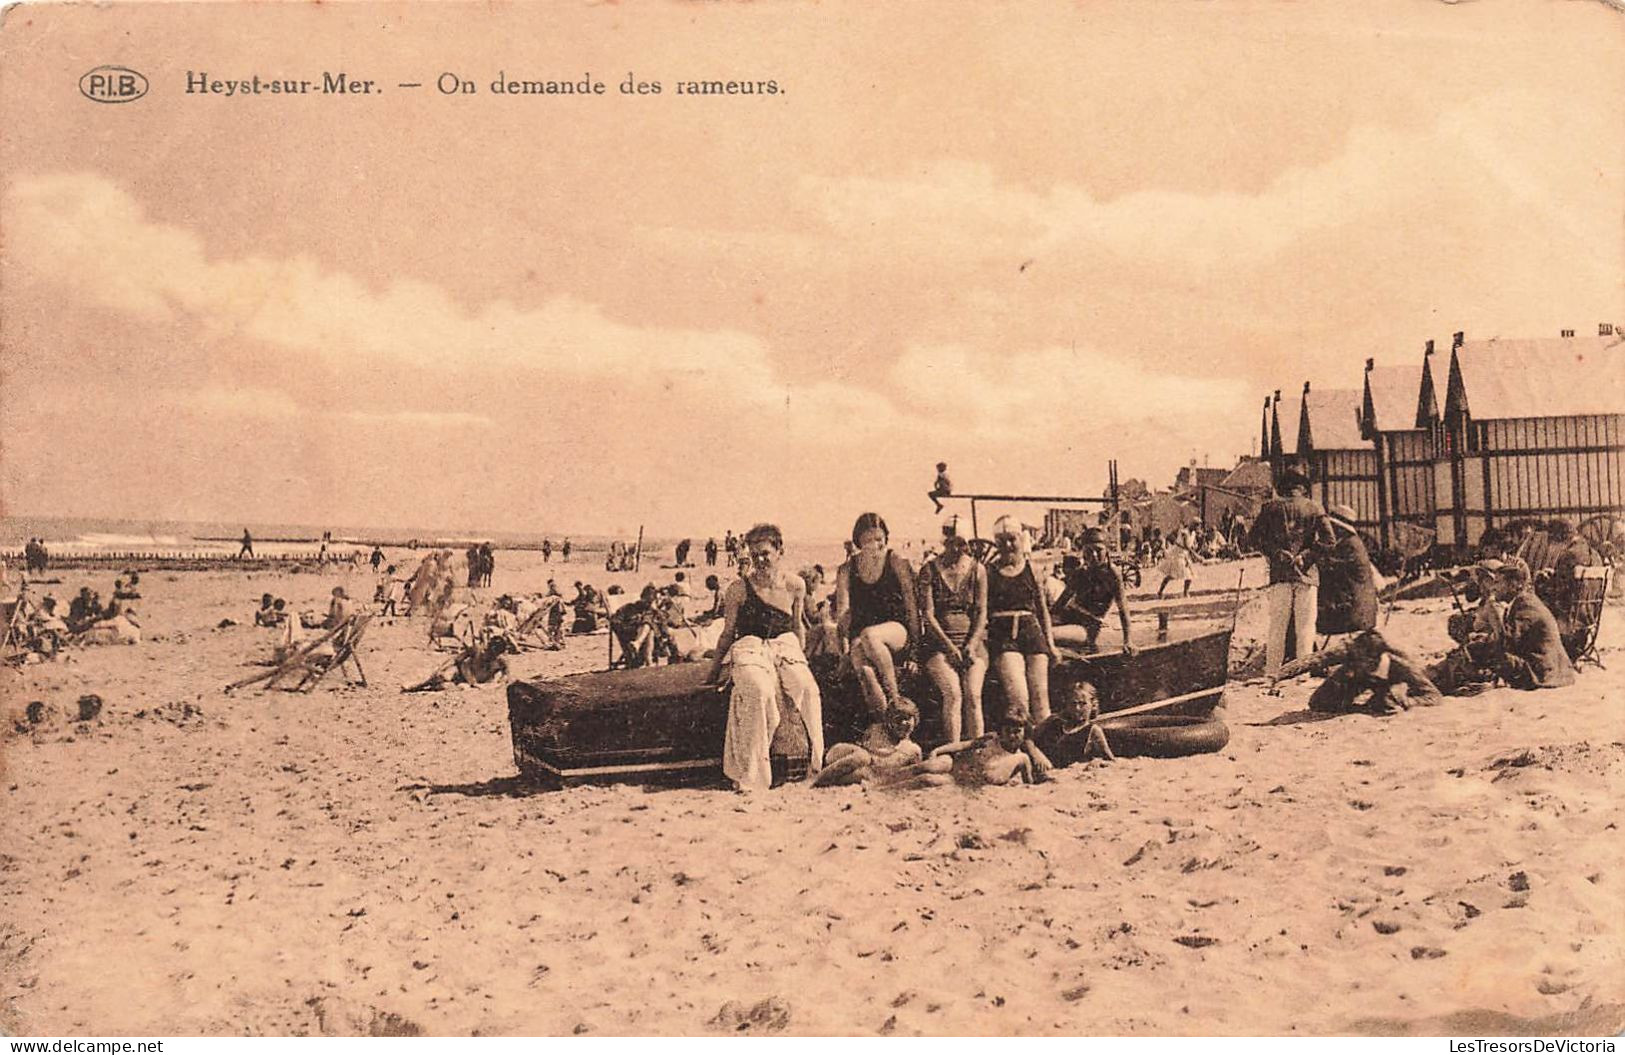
(112, 84)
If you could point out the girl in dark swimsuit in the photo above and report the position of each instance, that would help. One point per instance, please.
(875, 609)
(953, 607)
(1019, 634)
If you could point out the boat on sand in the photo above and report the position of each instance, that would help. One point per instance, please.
(664, 725)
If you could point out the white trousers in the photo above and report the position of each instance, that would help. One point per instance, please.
(764, 673)
(1294, 600)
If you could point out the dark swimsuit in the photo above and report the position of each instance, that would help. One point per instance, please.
(951, 606)
(757, 618)
(1012, 607)
(1093, 591)
(874, 603)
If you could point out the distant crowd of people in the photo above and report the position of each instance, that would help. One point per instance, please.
(36, 558)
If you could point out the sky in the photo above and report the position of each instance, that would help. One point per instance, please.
(1022, 239)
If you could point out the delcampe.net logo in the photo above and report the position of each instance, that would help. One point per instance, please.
(112, 84)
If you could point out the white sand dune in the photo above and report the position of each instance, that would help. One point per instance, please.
(360, 861)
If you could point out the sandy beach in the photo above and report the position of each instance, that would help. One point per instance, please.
(361, 861)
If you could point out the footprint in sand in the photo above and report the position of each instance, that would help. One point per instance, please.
(771, 1015)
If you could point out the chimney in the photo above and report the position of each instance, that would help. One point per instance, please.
(1566, 333)
(1458, 339)
(1427, 351)
(1605, 329)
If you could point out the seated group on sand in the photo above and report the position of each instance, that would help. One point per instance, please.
(956, 617)
(1321, 581)
(37, 630)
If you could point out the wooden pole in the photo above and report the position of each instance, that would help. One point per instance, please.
(637, 555)
(1074, 499)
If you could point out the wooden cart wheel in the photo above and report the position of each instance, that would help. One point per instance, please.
(1606, 532)
(1131, 573)
(984, 550)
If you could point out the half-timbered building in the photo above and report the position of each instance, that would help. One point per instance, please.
(1532, 428)
(1342, 463)
(1403, 442)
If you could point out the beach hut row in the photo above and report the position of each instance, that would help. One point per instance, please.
(1442, 452)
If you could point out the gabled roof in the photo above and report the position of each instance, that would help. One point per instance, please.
(1282, 409)
(1330, 421)
(1537, 377)
(1249, 476)
(1428, 408)
(1192, 476)
(1389, 403)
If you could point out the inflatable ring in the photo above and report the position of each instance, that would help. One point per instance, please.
(1164, 735)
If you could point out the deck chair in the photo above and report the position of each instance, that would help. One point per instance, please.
(455, 632)
(345, 640)
(313, 660)
(1582, 616)
(15, 634)
(533, 632)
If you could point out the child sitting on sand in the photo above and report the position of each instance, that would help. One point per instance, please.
(1070, 734)
(884, 749)
(267, 613)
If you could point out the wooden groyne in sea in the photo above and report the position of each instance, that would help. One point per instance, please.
(174, 560)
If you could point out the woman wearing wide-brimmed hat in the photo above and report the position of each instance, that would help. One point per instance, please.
(1347, 603)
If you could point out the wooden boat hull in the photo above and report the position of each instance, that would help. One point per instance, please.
(651, 725)
(1183, 673)
(662, 725)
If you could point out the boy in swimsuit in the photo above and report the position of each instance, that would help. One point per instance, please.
(880, 754)
(993, 760)
(1092, 588)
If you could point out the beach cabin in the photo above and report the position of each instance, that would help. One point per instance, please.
(1430, 417)
(1342, 463)
(1280, 456)
(1532, 428)
(1391, 422)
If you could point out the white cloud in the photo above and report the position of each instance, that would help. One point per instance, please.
(434, 419)
(267, 403)
(954, 210)
(1031, 392)
(242, 402)
(85, 232)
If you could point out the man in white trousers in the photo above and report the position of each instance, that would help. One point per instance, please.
(1289, 529)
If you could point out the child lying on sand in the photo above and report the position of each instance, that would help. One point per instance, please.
(880, 753)
(995, 759)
